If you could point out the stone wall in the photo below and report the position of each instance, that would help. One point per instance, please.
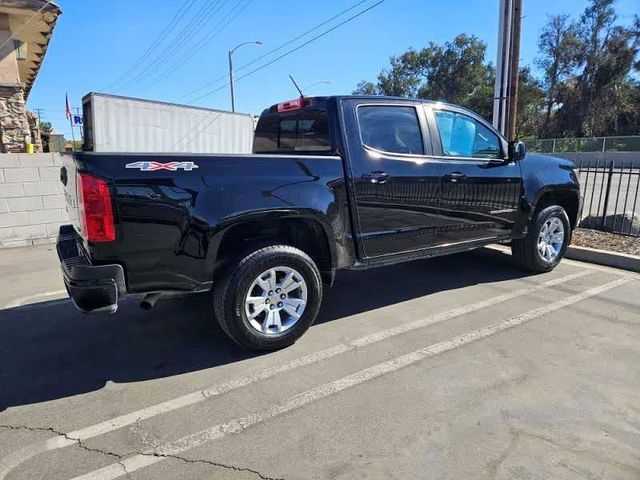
(15, 131)
(32, 204)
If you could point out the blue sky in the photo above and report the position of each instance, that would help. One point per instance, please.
(97, 41)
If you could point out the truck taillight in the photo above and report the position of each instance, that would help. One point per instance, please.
(96, 213)
(295, 104)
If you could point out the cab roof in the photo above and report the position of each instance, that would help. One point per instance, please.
(323, 100)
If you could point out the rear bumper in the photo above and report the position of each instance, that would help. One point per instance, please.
(93, 288)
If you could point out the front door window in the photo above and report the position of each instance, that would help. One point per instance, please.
(463, 136)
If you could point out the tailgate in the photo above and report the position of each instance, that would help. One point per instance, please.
(68, 179)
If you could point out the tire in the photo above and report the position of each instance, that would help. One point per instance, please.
(260, 268)
(526, 250)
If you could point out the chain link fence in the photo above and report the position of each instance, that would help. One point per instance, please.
(595, 144)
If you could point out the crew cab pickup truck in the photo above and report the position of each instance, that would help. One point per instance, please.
(344, 182)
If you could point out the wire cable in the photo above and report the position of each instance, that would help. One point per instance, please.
(230, 16)
(182, 38)
(280, 47)
(353, 17)
(208, 124)
(158, 40)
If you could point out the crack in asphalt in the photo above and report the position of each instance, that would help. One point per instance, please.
(71, 439)
(215, 464)
(121, 457)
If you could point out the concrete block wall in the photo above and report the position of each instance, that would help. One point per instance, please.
(32, 204)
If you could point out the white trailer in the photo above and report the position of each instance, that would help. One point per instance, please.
(122, 124)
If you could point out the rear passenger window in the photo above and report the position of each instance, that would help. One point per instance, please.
(306, 131)
(391, 129)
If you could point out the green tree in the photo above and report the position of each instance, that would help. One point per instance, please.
(531, 105)
(589, 83)
(596, 24)
(561, 50)
(366, 88)
(626, 118)
(588, 67)
(454, 72)
(46, 127)
(597, 96)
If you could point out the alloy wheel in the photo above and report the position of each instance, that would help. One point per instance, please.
(551, 239)
(276, 300)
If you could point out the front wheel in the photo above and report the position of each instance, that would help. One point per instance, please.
(547, 239)
(270, 298)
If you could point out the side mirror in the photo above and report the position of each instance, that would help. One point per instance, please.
(517, 151)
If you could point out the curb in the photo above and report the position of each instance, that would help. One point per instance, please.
(602, 257)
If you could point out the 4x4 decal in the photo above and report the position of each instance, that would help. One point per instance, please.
(153, 166)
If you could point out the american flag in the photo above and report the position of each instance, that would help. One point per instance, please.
(66, 97)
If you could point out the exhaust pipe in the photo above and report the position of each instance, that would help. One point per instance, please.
(149, 301)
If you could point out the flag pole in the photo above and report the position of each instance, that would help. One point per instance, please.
(70, 117)
(73, 137)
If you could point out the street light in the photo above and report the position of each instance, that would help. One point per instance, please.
(321, 82)
(233, 99)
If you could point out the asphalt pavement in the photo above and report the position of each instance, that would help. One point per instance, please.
(460, 367)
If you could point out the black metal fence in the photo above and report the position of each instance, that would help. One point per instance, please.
(610, 194)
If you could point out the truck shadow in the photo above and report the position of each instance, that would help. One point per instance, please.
(50, 351)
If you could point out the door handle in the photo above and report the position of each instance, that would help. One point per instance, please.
(455, 177)
(376, 177)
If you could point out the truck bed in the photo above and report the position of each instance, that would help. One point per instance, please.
(170, 210)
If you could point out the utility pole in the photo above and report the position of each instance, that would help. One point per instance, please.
(502, 68)
(73, 135)
(514, 81)
(505, 102)
(39, 111)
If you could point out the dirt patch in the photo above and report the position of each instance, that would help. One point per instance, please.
(606, 241)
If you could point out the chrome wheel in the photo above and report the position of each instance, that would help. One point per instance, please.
(276, 300)
(551, 239)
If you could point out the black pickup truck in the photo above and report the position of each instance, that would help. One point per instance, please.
(345, 182)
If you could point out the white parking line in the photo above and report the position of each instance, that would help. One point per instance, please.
(20, 456)
(136, 462)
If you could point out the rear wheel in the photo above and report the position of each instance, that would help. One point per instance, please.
(547, 239)
(269, 299)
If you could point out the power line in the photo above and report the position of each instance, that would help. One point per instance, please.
(230, 16)
(280, 47)
(183, 37)
(362, 12)
(29, 20)
(39, 112)
(353, 17)
(186, 5)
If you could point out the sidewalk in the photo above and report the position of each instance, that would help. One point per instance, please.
(29, 273)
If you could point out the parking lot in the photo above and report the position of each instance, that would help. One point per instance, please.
(461, 367)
